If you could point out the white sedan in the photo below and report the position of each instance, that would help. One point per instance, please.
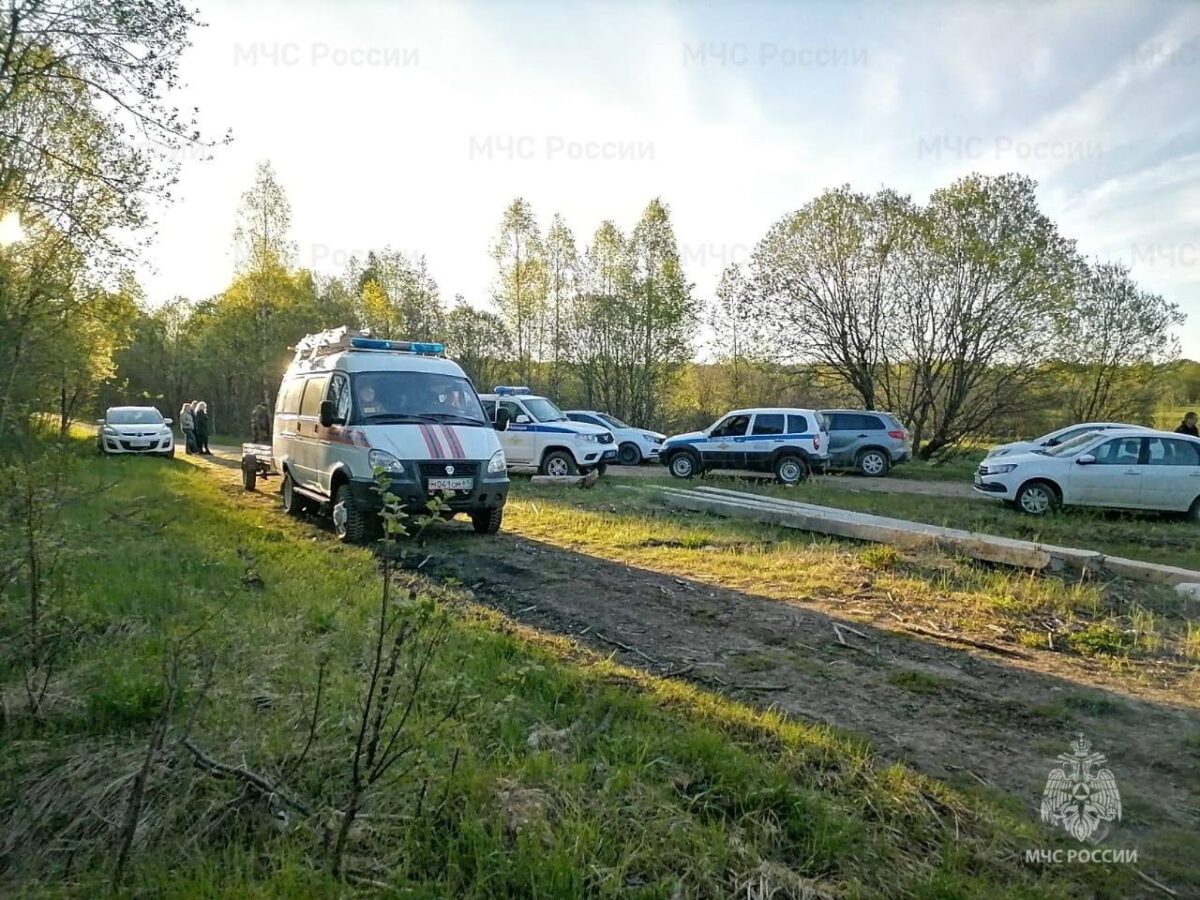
(1054, 438)
(134, 429)
(634, 445)
(1128, 468)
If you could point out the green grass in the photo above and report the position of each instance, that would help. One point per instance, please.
(652, 788)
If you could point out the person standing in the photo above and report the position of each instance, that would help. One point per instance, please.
(202, 427)
(187, 424)
(260, 424)
(1188, 426)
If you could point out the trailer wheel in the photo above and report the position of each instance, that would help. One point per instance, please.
(249, 472)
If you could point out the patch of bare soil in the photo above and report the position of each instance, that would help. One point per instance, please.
(957, 713)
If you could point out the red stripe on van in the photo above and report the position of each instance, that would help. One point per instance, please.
(456, 446)
(430, 446)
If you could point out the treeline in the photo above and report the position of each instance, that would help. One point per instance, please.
(970, 315)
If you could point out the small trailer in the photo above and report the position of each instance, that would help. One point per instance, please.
(256, 464)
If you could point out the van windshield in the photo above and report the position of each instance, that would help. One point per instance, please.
(380, 398)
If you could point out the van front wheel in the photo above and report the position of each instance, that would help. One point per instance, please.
(487, 521)
(351, 523)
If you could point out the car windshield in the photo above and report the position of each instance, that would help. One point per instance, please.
(543, 410)
(134, 417)
(397, 397)
(613, 421)
(1074, 445)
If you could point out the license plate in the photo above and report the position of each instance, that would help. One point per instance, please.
(139, 443)
(451, 484)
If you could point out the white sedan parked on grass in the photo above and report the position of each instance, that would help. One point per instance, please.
(134, 429)
(1054, 438)
(633, 444)
(1128, 468)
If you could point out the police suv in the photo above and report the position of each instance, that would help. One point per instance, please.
(535, 432)
(788, 442)
(350, 404)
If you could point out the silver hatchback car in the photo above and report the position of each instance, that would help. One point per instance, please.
(867, 441)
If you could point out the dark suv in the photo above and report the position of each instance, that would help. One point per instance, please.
(871, 442)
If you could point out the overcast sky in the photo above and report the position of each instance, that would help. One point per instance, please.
(412, 125)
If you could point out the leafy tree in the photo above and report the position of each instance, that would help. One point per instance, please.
(1114, 338)
(399, 299)
(520, 291)
(824, 285)
(479, 342)
(562, 280)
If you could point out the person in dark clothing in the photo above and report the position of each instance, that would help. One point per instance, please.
(260, 424)
(1188, 426)
(202, 425)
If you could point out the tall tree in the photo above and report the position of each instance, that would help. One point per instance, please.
(520, 292)
(1114, 336)
(399, 298)
(731, 340)
(263, 255)
(562, 280)
(479, 342)
(824, 284)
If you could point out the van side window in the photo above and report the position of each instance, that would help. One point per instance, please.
(314, 393)
(797, 425)
(289, 397)
(339, 393)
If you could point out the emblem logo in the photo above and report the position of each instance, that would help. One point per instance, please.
(449, 470)
(1081, 795)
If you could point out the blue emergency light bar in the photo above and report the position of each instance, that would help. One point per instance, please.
(362, 343)
(509, 390)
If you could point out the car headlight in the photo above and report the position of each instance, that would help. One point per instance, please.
(589, 438)
(108, 429)
(381, 459)
(999, 470)
(497, 464)
(652, 438)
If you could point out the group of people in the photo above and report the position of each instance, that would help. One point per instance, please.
(194, 421)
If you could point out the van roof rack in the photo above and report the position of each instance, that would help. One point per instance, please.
(343, 339)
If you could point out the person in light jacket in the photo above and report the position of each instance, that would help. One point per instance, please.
(187, 424)
(200, 417)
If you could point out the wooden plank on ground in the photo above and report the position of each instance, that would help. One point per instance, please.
(916, 535)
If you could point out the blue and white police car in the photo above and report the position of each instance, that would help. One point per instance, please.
(535, 432)
(787, 442)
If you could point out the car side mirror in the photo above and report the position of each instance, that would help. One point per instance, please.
(521, 419)
(1086, 460)
(168, 421)
(501, 420)
(327, 414)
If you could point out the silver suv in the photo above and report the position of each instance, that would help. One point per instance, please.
(871, 442)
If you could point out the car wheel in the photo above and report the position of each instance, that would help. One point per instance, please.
(1037, 498)
(873, 463)
(487, 521)
(629, 455)
(602, 468)
(1194, 512)
(558, 462)
(351, 523)
(293, 503)
(683, 465)
(791, 470)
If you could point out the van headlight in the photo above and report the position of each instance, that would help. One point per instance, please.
(381, 459)
(497, 465)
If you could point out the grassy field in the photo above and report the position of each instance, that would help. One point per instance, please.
(562, 774)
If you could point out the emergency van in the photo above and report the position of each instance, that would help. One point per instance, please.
(534, 432)
(789, 443)
(351, 404)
